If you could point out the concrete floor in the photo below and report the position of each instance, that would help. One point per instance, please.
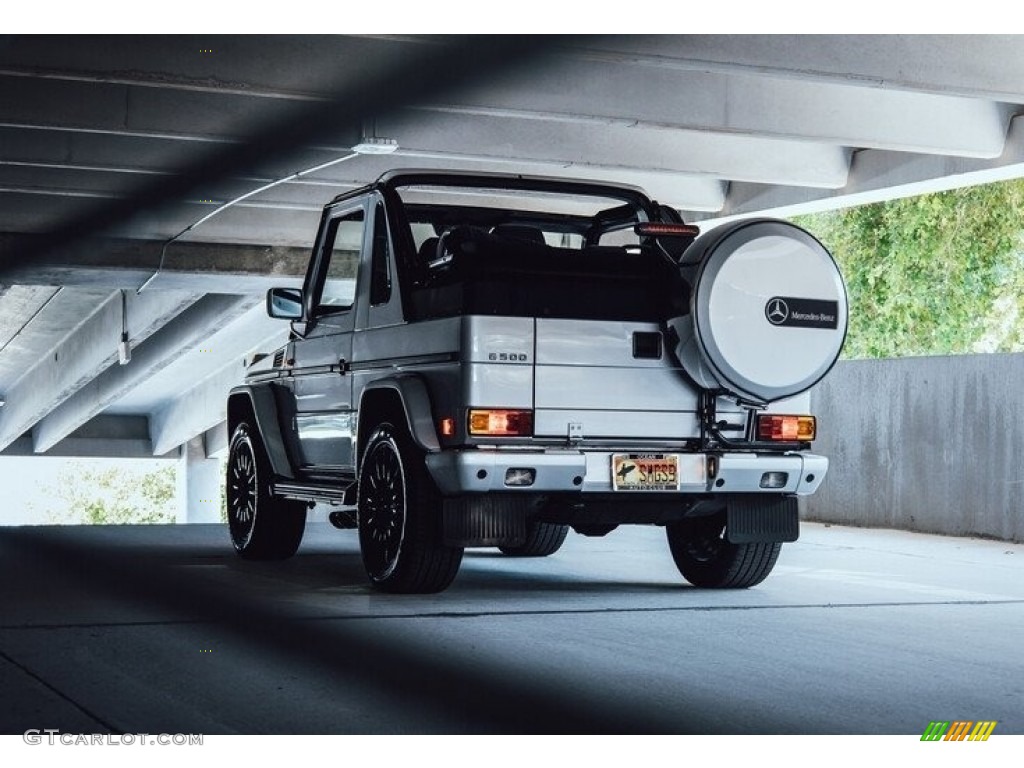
(162, 629)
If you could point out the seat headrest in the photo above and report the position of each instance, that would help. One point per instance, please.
(428, 250)
(520, 232)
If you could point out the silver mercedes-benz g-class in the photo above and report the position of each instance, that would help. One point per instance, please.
(488, 361)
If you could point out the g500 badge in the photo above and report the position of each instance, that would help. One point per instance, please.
(802, 313)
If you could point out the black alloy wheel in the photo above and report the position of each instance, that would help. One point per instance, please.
(399, 517)
(262, 526)
(706, 558)
(382, 509)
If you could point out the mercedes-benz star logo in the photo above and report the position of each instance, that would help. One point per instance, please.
(777, 311)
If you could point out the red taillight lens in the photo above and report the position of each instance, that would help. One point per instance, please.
(501, 423)
(665, 229)
(791, 429)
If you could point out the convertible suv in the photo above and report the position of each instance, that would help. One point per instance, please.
(491, 361)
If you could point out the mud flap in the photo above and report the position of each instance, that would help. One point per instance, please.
(759, 519)
(485, 520)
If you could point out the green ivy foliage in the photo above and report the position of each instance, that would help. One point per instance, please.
(113, 496)
(938, 274)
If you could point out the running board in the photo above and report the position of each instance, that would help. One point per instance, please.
(342, 493)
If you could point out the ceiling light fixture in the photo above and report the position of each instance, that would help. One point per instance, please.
(124, 347)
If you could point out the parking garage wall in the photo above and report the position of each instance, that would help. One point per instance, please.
(930, 444)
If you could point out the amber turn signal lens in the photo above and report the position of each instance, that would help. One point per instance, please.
(778, 428)
(501, 423)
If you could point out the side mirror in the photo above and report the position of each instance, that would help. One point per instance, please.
(285, 303)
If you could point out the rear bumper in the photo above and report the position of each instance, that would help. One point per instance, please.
(482, 471)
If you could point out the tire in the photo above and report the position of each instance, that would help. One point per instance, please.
(706, 559)
(262, 526)
(542, 539)
(399, 516)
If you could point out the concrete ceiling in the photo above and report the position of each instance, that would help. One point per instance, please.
(716, 126)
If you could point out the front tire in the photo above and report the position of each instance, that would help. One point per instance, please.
(706, 559)
(262, 526)
(542, 539)
(400, 518)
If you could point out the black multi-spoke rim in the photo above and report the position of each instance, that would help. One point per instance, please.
(241, 491)
(706, 539)
(382, 510)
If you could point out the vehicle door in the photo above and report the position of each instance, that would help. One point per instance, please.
(382, 341)
(322, 384)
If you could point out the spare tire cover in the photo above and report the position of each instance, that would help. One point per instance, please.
(768, 311)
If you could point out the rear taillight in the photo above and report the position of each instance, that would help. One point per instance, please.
(773, 427)
(500, 423)
(665, 229)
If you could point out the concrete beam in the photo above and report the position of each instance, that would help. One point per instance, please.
(199, 267)
(215, 440)
(142, 155)
(199, 409)
(41, 325)
(696, 153)
(976, 66)
(19, 306)
(648, 96)
(89, 348)
(284, 224)
(187, 330)
(188, 411)
(116, 108)
(243, 65)
(48, 173)
(658, 85)
(876, 176)
(229, 344)
(105, 436)
(255, 225)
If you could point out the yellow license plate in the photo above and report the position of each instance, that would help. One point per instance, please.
(656, 471)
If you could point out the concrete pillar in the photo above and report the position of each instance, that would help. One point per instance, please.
(199, 482)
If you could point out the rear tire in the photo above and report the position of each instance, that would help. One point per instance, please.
(400, 517)
(542, 539)
(262, 526)
(706, 559)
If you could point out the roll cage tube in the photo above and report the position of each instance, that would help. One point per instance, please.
(637, 204)
(631, 195)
